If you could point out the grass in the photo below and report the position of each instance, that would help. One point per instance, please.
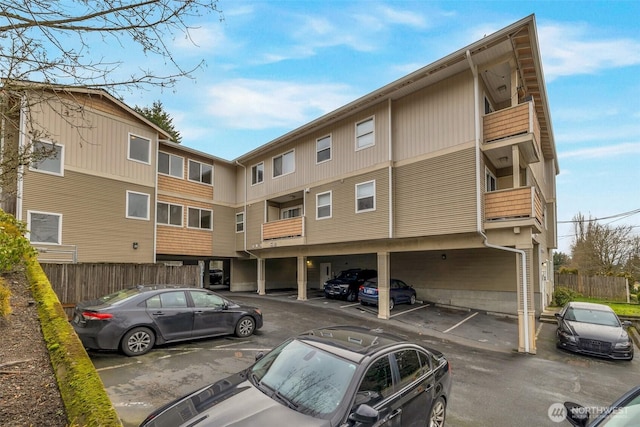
(621, 308)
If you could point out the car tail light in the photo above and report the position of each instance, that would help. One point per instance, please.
(90, 315)
(361, 288)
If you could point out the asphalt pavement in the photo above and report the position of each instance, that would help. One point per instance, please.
(493, 384)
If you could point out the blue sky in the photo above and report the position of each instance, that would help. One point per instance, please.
(272, 66)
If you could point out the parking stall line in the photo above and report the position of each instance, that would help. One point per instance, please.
(410, 310)
(460, 322)
(350, 305)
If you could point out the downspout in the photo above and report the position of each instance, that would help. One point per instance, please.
(21, 145)
(390, 172)
(479, 230)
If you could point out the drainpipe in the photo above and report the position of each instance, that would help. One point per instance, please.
(390, 172)
(21, 146)
(479, 230)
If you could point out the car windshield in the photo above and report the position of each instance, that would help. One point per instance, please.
(348, 275)
(597, 317)
(304, 378)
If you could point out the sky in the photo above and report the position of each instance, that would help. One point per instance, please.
(272, 66)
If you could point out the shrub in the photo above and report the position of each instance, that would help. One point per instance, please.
(5, 295)
(14, 246)
(562, 295)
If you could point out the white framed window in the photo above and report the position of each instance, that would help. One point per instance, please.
(488, 107)
(257, 173)
(323, 149)
(200, 172)
(139, 149)
(169, 214)
(240, 222)
(169, 164)
(490, 180)
(137, 205)
(284, 164)
(292, 212)
(44, 227)
(52, 162)
(323, 205)
(200, 218)
(365, 136)
(366, 196)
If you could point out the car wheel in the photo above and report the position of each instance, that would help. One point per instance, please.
(363, 303)
(392, 304)
(245, 327)
(137, 341)
(412, 300)
(437, 413)
(352, 296)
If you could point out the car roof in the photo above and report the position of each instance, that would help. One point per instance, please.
(589, 306)
(351, 342)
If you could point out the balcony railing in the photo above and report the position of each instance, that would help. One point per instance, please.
(511, 121)
(514, 203)
(283, 228)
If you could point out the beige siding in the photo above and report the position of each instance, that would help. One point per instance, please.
(224, 181)
(224, 231)
(93, 215)
(97, 143)
(254, 218)
(434, 118)
(346, 225)
(436, 196)
(344, 157)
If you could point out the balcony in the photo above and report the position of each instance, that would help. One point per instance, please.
(514, 207)
(283, 231)
(511, 126)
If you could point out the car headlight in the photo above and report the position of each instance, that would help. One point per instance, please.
(622, 345)
(566, 335)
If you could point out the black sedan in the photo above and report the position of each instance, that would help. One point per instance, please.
(334, 376)
(134, 320)
(593, 329)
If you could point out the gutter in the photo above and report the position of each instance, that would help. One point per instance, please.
(479, 230)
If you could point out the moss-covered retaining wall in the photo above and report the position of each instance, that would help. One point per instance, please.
(83, 393)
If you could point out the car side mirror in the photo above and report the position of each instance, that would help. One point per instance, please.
(577, 415)
(626, 323)
(365, 415)
(259, 355)
(557, 315)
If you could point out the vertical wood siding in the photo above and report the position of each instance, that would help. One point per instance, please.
(93, 215)
(434, 118)
(436, 196)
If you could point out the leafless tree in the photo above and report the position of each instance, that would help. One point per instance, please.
(46, 45)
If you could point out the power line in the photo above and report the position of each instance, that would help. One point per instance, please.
(620, 215)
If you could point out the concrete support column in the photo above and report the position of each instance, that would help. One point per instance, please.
(262, 289)
(383, 285)
(526, 329)
(302, 278)
(515, 155)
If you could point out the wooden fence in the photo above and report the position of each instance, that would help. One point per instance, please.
(605, 287)
(80, 282)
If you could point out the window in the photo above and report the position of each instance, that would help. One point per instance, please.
(323, 204)
(284, 164)
(488, 108)
(408, 366)
(137, 205)
(365, 196)
(323, 149)
(169, 164)
(377, 380)
(45, 227)
(257, 173)
(239, 222)
(170, 214)
(364, 134)
(49, 157)
(291, 212)
(175, 299)
(203, 299)
(200, 218)
(139, 149)
(491, 183)
(200, 172)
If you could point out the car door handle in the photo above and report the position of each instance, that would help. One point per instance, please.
(395, 413)
(429, 387)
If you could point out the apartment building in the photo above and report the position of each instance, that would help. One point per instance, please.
(444, 178)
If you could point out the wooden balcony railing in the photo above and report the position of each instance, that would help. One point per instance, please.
(283, 228)
(513, 203)
(511, 121)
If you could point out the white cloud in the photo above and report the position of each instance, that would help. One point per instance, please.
(624, 149)
(402, 17)
(262, 104)
(571, 49)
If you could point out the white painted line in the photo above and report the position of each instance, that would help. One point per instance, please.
(460, 322)
(239, 349)
(233, 343)
(122, 365)
(410, 310)
(350, 305)
(539, 329)
(309, 299)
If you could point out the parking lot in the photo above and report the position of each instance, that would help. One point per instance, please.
(493, 384)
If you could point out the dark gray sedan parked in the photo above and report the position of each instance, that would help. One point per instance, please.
(134, 320)
(593, 329)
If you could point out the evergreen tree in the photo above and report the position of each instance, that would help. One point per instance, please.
(158, 116)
